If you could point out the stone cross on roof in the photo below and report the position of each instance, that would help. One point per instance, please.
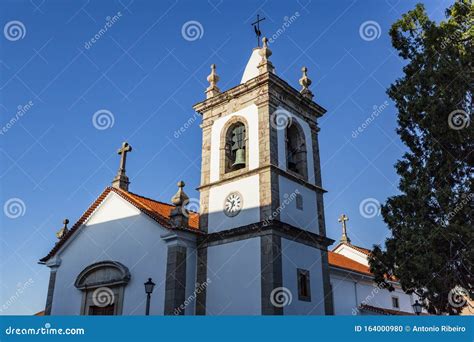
(121, 180)
(343, 219)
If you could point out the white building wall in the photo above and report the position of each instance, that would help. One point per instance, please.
(350, 291)
(249, 188)
(344, 295)
(282, 143)
(294, 256)
(117, 231)
(250, 113)
(307, 218)
(235, 282)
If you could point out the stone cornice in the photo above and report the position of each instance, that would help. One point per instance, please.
(282, 229)
(260, 169)
(274, 82)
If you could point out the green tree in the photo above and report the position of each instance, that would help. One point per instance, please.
(430, 250)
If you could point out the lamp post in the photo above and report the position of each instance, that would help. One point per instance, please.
(417, 307)
(149, 285)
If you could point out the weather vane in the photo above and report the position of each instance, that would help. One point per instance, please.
(256, 27)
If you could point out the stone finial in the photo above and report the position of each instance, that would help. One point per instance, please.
(179, 214)
(179, 197)
(305, 83)
(121, 180)
(265, 64)
(213, 78)
(63, 231)
(343, 219)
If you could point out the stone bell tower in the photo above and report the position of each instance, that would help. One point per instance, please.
(261, 194)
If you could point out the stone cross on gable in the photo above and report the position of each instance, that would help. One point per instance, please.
(123, 152)
(343, 219)
(121, 180)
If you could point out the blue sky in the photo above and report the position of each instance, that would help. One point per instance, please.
(55, 162)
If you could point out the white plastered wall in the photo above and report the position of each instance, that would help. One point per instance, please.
(234, 274)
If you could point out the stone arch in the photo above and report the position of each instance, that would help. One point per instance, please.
(296, 150)
(102, 285)
(109, 273)
(226, 154)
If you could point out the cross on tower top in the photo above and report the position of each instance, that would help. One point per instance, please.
(343, 219)
(121, 180)
(256, 27)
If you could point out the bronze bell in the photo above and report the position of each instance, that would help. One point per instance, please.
(239, 158)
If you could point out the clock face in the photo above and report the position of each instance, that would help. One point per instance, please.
(233, 204)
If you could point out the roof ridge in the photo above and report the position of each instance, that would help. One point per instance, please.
(85, 215)
(134, 199)
(358, 248)
(151, 199)
(150, 211)
(364, 269)
(156, 201)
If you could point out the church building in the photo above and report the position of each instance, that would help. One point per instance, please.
(258, 244)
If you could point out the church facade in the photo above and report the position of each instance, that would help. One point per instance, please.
(258, 244)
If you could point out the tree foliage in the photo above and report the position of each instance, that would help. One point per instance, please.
(430, 250)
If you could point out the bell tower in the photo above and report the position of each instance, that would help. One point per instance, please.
(261, 191)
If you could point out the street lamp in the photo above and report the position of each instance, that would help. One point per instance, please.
(417, 307)
(149, 285)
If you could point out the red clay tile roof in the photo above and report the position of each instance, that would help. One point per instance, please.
(383, 311)
(162, 210)
(341, 261)
(158, 211)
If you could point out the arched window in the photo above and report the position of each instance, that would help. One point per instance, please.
(103, 286)
(295, 149)
(235, 147)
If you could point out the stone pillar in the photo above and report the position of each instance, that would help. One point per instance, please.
(54, 266)
(175, 288)
(271, 271)
(201, 296)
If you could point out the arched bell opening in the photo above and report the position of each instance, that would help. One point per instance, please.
(235, 147)
(296, 156)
